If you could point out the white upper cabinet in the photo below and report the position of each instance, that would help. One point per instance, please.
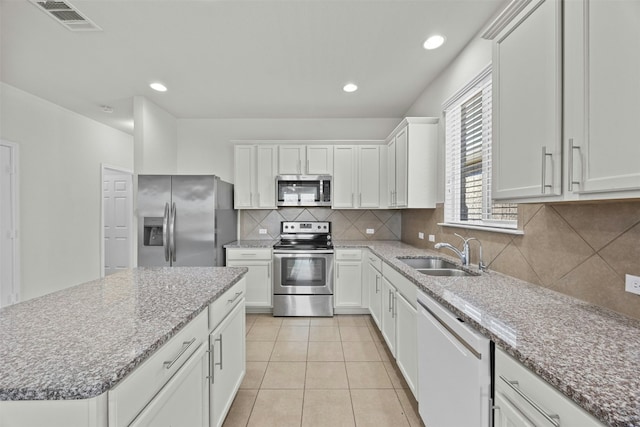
(602, 89)
(305, 159)
(527, 103)
(412, 163)
(254, 176)
(357, 176)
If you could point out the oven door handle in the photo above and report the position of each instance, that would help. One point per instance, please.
(303, 252)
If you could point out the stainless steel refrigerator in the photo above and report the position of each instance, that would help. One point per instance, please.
(184, 220)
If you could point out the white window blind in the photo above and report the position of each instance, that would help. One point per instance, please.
(468, 160)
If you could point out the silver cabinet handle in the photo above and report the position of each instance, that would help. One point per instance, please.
(572, 147)
(172, 231)
(249, 254)
(220, 341)
(552, 418)
(337, 271)
(353, 203)
(544, 169)
(308, 166)
(394, 312)
(377, 281)
(212, 367)
(165, 232)
(390, 307)
(250, 199)
(185, 345)
(360, 202)
(269, 271)
(238, 294)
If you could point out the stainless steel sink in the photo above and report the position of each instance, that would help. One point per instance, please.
(428, 263)
(432, 266)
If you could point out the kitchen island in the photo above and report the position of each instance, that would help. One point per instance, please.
(81, 342)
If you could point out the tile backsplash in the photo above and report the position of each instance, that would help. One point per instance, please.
(583, 250)
(345, 224)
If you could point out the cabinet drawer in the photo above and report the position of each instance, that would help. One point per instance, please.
(348, 254)
(402, 284)
(129, 397)
(374, 260)
(219, 309)
(246, 254)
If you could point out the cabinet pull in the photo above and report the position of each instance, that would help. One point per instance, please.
(308, 166)
(248, 254)
(185, 345)
(394, 312)
(269, 271)
(337, 271)
(544, 169)
(390, 307)
(353, 203)
(572, 147)
(238, 294)
(360, 202)
(552, 418)
(212, 369)
(299, 166)
(220, 341)
(377, 281)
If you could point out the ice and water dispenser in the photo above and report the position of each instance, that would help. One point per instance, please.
(153, 231)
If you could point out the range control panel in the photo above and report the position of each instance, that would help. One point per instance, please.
(316, 227)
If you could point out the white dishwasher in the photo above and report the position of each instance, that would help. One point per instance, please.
(454, 369)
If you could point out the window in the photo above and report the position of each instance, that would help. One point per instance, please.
(468, 160)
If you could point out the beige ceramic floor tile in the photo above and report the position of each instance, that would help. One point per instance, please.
(352, 320)
(284, 375)
(296, 321)
(355, 333)
(263, 333)
(323, 408)
(326, 375)
(367, 375)
(254, 374)
(241, 408)
(324, 321)
(289, 351)
(324, 333)
(268, 320)
(259, 351)
(377, 408)
(293, 333)
(383, 351)
(410, 406)
(277, 408)
(360, 351)
(325, 351)
(395, 375)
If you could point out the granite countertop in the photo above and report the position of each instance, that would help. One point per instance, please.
(267, 244)
(588, 353)
(80, 342)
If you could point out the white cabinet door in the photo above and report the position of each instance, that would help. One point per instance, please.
(505, 414)
(319, 160)
(183, 401)
(259, 290)
(402, 171)
(389, 315)
(374, 280)
(369, 176)
(344, 176)
(391, 172)
(527, 104)
(407, 342)
(266, 166)
(602, 65)
(348, 284)
(227, 364)
(244, 166)
(291, 159)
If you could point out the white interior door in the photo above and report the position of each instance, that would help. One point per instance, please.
(117, 217)
(9, 265)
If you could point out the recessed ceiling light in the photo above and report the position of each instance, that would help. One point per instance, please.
(350, 87)
(434, 42)
(158, 86)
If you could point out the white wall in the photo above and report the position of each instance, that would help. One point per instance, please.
(60, 190)
(156, 138)
(205, 146)
(473, 59)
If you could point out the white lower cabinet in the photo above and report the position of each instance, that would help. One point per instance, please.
(406, 342)
(227, 363)
(522, 399)
(389, 315)
(348, 289)
(259, 292)
(373, 279)
(183, 400)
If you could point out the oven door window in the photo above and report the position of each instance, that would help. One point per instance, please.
(304, 272)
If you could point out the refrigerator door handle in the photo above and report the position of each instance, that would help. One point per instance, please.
(172, 230)
(165, 232)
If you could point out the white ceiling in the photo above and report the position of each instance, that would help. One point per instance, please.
(237, 59)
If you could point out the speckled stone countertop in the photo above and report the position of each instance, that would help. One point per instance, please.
(80, 342)
(267, 244)
(587, 352)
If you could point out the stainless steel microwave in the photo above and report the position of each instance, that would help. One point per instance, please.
(303, 190)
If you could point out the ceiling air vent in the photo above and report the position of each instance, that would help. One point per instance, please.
(67, 15)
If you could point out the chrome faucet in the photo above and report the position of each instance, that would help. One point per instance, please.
(464, 253)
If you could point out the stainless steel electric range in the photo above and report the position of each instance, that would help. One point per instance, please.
(303, 270)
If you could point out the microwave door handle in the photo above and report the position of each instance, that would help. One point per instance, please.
(165, 232)
(172, 231)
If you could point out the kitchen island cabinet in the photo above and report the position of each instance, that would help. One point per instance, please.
(68, 358)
